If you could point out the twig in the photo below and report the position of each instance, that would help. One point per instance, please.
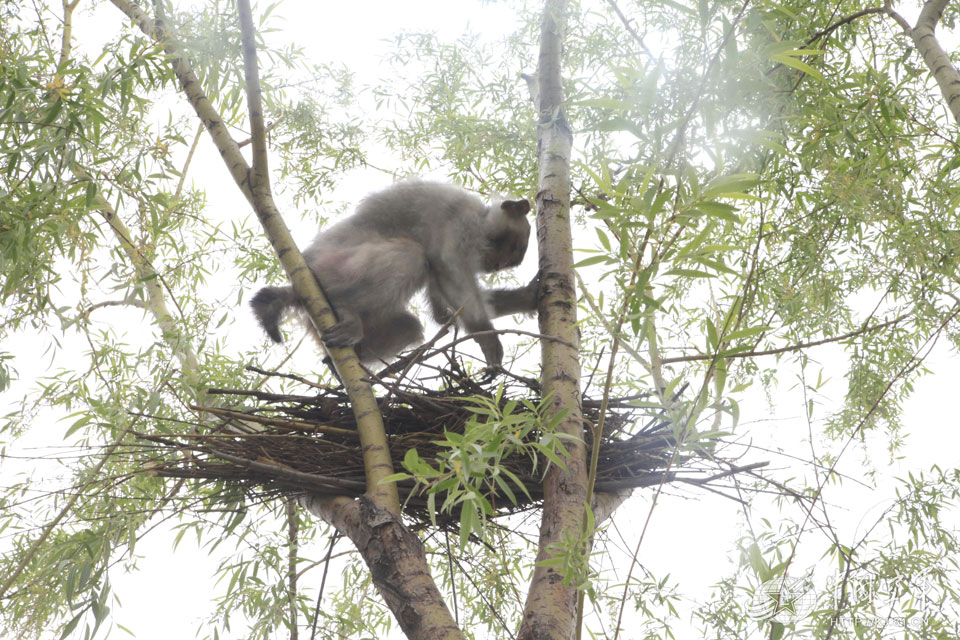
(724, 474)
(323, 582)
(630, 29)
(266, 130)
(276, 422)
(113, 303)
(48, 528)
(325, 484)
(796, 347)
(264, 372)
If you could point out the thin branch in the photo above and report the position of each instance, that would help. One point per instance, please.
(706, 77)
(113, 303)
(725, 474)
(796, 347)
(592, 303)
(65, 40)
(900, 20)
(49, 527)
(823, 33)
(630, 29)
(266, 130)
(327, 485)
(290, 376)
(275, 422)
(293, 544)
(260, 176)
(323, 583)
(911, 365)
(186, 163)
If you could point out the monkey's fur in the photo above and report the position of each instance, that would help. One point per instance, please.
(410, 236)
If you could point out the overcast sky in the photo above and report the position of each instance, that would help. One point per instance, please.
(692, 533)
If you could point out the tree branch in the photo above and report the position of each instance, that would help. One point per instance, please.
(113, 303)
(48, 528)
(376, 453)
(796, 347)
(256, 188)
(934, 57)
(397, 563)
(629, 27)
(823, 33)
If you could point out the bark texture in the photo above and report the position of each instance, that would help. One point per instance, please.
(397, 564)
(394, 555)
(255, 185)
(550, 609)
(935, 58)
(946, 75)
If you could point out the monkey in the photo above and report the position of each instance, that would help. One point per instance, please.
(412, 236)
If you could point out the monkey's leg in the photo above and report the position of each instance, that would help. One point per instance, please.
(386, 335)
(438, 307)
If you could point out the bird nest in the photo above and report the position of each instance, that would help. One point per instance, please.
(283, 445)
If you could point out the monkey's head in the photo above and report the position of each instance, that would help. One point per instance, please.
(507, 234)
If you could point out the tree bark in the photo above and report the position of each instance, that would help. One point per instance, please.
(550, 609)
(935, 58)
(397, 564)
(393, 554)
(255, 185)
(377, 462)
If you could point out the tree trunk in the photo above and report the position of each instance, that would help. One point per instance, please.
(936, 59)
(550, 609)
(393, 554)
(397, 564)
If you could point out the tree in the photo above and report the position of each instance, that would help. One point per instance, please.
(762, 179)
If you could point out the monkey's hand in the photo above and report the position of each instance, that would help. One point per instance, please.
(492, 349)
(347, 332)
(439, 309)
(534, 289)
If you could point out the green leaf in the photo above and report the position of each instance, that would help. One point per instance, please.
(719, 210)
(469, 521)
(395, 477)
(757, 563)
(67, 630)
(799, 65)
(603, 239)
(746, 333)
(592, 261)
(91, 193)
(689, 273)
(777, 629)
(734, 183)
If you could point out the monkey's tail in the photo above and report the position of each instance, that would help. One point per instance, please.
(269, 305)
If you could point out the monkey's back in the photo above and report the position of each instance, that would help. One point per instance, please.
(380, 256)
(440, 217)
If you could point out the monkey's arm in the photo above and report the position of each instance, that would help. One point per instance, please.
(455, 286)
(439, 309)
(505, 302)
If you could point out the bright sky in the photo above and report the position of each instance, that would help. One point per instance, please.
(692, 533)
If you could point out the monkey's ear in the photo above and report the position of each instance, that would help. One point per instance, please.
(515, 207)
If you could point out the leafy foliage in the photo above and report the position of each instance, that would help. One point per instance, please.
(752, 180)
(471, 466)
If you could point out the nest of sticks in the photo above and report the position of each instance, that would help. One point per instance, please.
(282, 445)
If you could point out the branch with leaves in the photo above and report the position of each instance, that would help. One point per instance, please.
(255, 185)
(936, 59)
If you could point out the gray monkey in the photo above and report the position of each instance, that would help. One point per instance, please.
(409, 236)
